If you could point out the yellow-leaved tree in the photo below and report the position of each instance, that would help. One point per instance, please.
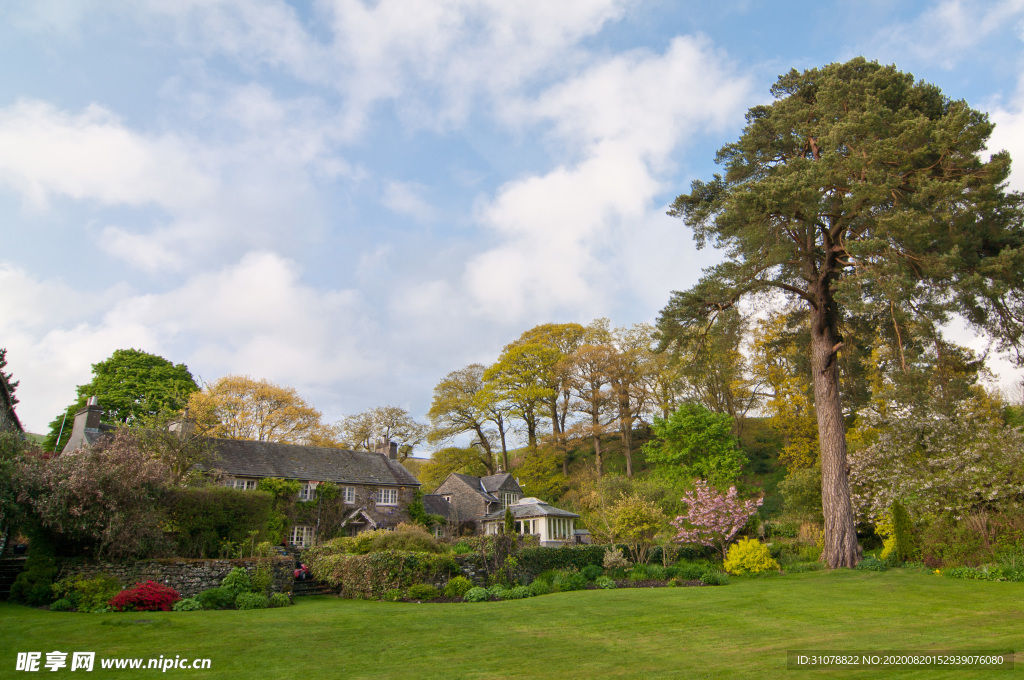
(240, 407)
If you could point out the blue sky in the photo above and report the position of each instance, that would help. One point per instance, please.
(355, 198)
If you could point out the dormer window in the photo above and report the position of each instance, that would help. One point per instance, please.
(508, 499)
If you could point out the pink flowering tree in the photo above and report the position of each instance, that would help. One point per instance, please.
(713, 519)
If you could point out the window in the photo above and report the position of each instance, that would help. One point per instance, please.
(386, 496)
(508, 499)
(301, 536)
(307, 492)
(243, 484)
(559, 528)
(527, 527)
(348, 494)
(447, 498)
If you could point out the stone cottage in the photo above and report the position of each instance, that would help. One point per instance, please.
(375, 489)
(472, 498)
(554, 526)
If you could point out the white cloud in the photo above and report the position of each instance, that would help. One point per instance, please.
(1009, 135)
(560, 233)
(255, 316)
(946, 31)
(406, 198)
(92, 156)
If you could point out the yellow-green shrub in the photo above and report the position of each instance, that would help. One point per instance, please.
(749, 556)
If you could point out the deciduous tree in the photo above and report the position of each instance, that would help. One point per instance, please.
(462, 403)
(858, 188)
(364, 431)
(132, 386)
(240, 407)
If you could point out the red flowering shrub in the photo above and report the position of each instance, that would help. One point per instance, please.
(145, 597)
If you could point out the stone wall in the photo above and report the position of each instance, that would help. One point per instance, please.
(188, 577)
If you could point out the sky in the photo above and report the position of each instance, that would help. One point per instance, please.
(356, 197)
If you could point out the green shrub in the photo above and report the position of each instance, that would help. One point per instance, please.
(207, 517)
(749, 556)
(605, 582)
(801, 493)
(457, 587)
(189, 604)
(540, 587)
(422, 591)
(64, 604)
(251, 601)
(238, 581)
(655, 572)
(95, 593)
(714, 578)
(217, 598)
(33, 586)
(279, 600)
(871, 563)
(476, 594)
(462, 548)
(638, 573)
(393, 595)
(809, 553)
(498, 592)
(406, 537)
(370, 576)
(517, 593)
(801, 567)
(263, 577)
(592, 571)
(569, 580)
(781, 529)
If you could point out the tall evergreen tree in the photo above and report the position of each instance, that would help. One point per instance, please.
(858, 191)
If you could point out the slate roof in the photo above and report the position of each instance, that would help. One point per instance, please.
(241, 458)
(493, 483)
(436, 505)
(531, 507)
(474, 483)
(8, 418)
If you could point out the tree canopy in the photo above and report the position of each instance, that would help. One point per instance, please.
(364, 431)
(240, 407)
(132, 386)
(859, 192)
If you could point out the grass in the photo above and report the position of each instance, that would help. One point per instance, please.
(739, 631)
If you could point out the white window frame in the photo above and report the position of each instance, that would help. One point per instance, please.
(241, 484)
(307, 492)
(348, 494)
(385, 496)
(302, 536)
(508, 499)
(447, 498)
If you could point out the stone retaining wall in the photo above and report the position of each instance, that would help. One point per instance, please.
(188, 577)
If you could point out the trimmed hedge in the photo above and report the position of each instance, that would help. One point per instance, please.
(204, 518)
(370, 576)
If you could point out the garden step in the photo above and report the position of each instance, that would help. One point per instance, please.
(300, 588)
(9, 570)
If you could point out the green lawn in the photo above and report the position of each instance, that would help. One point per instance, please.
(739, 631)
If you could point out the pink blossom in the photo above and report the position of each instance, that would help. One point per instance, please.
(713, 519)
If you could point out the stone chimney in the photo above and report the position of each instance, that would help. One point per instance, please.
(87, 422)
(388, 448)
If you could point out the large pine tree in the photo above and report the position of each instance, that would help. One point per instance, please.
(857, 191)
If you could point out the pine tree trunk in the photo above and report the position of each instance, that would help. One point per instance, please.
(841, 547)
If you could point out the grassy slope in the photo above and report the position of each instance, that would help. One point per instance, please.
(740, 631)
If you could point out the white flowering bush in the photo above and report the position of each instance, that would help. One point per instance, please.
(937, 463)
